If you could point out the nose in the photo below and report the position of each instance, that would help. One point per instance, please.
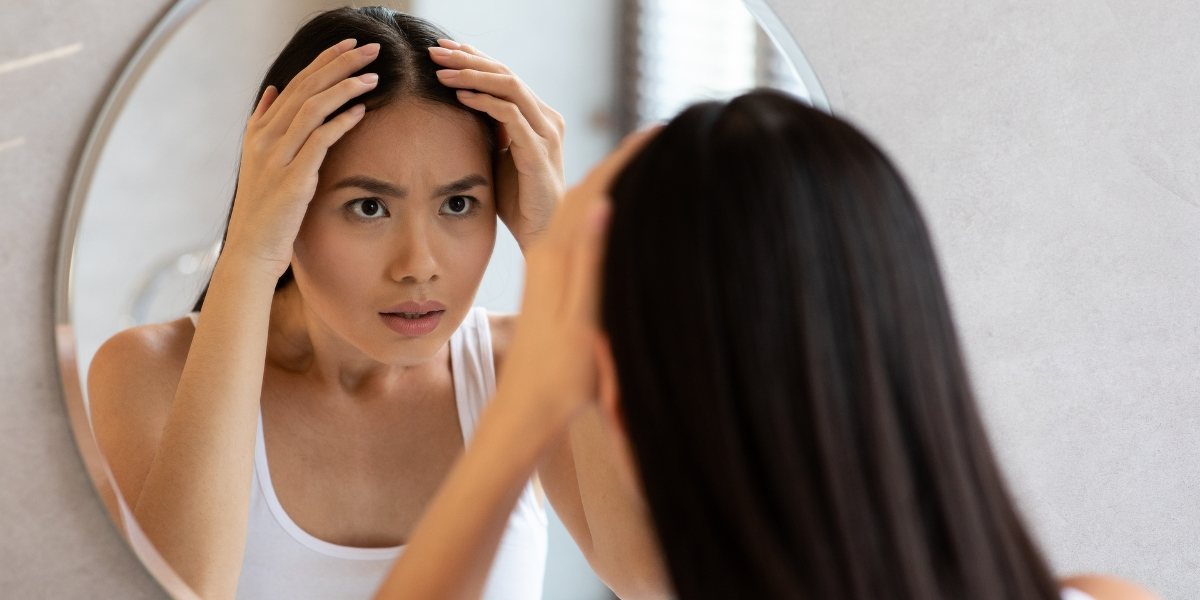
(413, 259)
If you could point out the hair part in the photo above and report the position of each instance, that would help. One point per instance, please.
(790, 374)
(404, 67)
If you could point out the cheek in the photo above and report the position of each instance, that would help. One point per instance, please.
(466, 251)
(333, 263)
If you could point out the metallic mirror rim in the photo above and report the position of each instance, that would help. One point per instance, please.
(73, 393)
(787, 44)
(64, 335)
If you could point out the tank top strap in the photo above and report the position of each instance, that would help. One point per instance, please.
(195, 318)
(473, 368)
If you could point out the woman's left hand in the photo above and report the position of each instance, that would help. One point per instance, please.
(529, 169)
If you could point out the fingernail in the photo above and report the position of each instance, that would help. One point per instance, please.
(357, 109)
(370, 49)
(447, 73)
(346, 44)
(453, 45)
(441, 52)
(466, 94)
(368, 78)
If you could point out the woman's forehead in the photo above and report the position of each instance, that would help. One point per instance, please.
(411, 137)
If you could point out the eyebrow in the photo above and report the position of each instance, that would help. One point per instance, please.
(370, 184)
(460, 186)
(377, 186)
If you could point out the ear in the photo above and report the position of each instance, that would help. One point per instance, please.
(613, 418)
(606, 380)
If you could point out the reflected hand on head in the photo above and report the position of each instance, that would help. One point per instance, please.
(529, 172)
(551, 357)
(286, 140)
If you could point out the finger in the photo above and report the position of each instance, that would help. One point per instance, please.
(594, 187)
(318, 63)
(469, 49)
(452, 55)
(565, 223)
(322, 79)
(461, 59)
(506, 87)
(515, 125)
(583, 288)
(316, 109)
(268, 97)
(312, 154)
(601, 177)
(560, 124)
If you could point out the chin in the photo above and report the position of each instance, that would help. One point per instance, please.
(388, 347)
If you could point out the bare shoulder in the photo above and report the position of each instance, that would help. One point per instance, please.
(502, 327)
(131, 383)
(1108, 588)
(141, 357)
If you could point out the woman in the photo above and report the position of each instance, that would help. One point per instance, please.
(777, 371)
(284, 441)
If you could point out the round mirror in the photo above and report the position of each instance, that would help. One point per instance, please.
(150, 201)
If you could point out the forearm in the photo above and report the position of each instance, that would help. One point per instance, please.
(624, 548)
(451, 551)
(194, 503)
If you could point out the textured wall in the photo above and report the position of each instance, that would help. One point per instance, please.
(55, 538)
(1053, 146)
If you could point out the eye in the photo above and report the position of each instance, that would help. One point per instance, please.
(367, 208)
(457, 205)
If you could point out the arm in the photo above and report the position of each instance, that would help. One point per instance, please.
(548, 377)
(189, 477)
(607, 518)
(608, 521)
(529, 180)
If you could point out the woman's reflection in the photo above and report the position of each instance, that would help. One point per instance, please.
(284, 439)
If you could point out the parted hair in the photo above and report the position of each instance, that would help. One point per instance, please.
(403, 65)
(790, 375)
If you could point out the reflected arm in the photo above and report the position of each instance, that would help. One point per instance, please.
(176, 415)
(195, 501)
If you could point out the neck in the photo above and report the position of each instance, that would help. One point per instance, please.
(300, 342)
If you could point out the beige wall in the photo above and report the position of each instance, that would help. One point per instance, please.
(55, 537)
(1053, 145)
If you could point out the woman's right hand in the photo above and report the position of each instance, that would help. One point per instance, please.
(286, 141)
(190, 483)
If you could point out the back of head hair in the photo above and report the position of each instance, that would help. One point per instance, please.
(403, 65)
(790, 375)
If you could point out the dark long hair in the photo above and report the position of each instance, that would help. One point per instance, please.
(790, 374)
(403, 64)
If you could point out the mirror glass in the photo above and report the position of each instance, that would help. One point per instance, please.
(156, 184)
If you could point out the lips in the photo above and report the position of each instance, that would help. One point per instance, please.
(413, 319)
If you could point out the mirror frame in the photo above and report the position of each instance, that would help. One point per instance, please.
(102, 126)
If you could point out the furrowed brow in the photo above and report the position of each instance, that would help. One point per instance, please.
(370, 184)
(460, 186)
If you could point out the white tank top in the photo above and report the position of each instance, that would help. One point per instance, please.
(284, 561)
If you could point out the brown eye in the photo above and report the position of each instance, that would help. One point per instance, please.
(457, 205)
(368, 208)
